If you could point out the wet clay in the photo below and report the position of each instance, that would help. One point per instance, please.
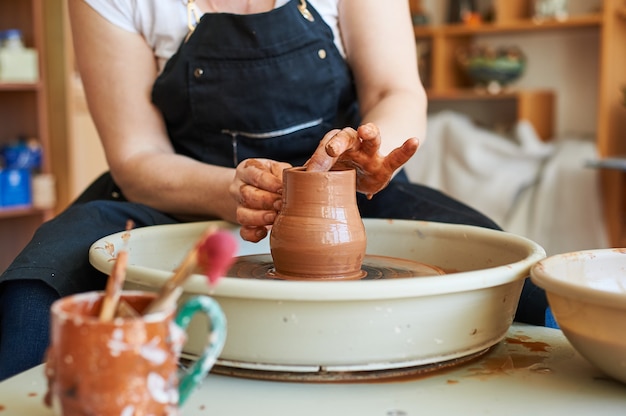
(127, 366)
(260, 266)
(319, 234)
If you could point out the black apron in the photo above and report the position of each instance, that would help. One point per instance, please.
(267, 85)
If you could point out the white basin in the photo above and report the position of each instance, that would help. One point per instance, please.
(313, 326)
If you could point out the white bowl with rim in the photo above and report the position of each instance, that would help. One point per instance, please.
(351, 326)
(586, 291)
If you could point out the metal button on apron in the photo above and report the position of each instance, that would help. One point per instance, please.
(321, 53)
(198, 72)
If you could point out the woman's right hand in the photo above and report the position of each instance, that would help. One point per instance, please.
(257, 188)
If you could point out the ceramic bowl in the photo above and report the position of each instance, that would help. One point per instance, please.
(363, 325)
(587, 293)
(486, 66)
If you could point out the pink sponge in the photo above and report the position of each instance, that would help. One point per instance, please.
(216, 254)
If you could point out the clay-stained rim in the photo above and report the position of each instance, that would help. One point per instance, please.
(95, 296)
(323, 291)
(544, 275)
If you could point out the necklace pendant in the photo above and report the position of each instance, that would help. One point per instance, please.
(304, 11)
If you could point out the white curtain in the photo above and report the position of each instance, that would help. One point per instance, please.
(539, 190)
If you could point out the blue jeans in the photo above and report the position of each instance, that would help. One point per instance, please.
(50, 267)
(21, 323)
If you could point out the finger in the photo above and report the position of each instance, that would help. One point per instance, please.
(346, 139)
(256, 198)
(277, 169)
(255, 223)
(253, 234)
(260, 174)
(371, 140)
(402, 154)
(255, 218)
(320, 161)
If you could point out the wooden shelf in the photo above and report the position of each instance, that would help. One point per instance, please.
(446, 82)
(24, 112)
(20, 86)
(535, 106)
(521, 25)
(18, 212)
(474, 94)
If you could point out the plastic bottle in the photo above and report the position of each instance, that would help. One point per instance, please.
(17, 62)
(12, 39)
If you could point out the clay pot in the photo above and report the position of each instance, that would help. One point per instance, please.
(319, 233)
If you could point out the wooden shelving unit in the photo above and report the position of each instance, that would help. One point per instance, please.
(447, 82)
(536, 106)
(24, 111)
(521, 24)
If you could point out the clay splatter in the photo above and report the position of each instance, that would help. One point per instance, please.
(514, 360)
(526, 342)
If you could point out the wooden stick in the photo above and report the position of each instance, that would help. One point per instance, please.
(171, 291)
(116, 280)
(114, 287)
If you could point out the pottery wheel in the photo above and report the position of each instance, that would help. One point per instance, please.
(329, 376)
(399, 322)
(260, 266)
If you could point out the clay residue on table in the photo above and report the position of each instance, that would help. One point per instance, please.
(522, 354)
(528, 343)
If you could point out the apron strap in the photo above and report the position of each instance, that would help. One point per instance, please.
(305, 12)
(193, 17)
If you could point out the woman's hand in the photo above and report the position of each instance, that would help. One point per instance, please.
(359, 149)
(257, 188)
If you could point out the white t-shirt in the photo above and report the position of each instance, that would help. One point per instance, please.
(163, 23)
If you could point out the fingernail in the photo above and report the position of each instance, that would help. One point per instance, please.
(269, 217)
(261, 232)
(278, 204)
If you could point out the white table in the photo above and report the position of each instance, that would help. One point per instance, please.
(534, 371)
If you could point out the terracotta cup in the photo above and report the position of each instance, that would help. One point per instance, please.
(128, 366)
(319, 233)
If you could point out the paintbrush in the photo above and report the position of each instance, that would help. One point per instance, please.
(116, 280)
(212, 254)
(114, 287)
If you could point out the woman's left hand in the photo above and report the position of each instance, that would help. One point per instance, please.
(359, 150)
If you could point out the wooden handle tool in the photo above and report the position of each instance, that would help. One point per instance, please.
(116, 281)
(171, 291)
(114, 287)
